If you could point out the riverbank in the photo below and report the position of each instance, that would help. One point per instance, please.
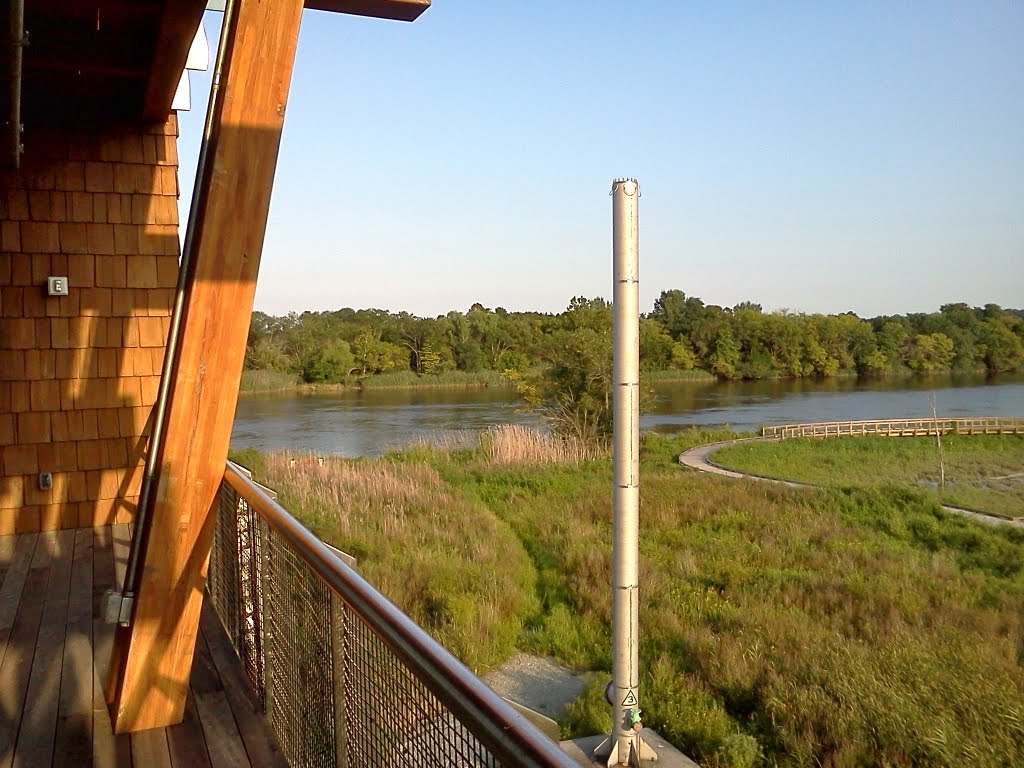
(269, 382)
(258, 382)
(775, 623)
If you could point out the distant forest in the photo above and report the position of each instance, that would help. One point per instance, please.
(681, 333)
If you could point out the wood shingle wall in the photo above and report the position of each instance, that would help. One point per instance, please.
(79, 374)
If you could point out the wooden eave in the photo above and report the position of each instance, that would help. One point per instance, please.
(400, 10)
(178, 24)
(112, 60)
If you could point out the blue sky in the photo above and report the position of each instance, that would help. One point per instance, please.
(820, 157)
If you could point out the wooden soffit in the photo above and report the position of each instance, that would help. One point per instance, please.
(178, 24)
(400, 10)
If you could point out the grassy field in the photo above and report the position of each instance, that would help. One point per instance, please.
(982, 472)
(849, 627)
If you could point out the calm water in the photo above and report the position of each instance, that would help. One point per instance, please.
(367, 424)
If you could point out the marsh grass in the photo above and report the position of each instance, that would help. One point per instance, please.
(982, 472)
(662, 377)
(518, 444)
(267, 381)
(451, 565)
(845, 627)
(447, 380)
(815, 628)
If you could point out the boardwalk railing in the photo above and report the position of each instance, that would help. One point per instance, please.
(899, 427)
(347, 680)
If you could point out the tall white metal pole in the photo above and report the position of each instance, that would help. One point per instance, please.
(626, 746)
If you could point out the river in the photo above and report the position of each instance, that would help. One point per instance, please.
(369, 423)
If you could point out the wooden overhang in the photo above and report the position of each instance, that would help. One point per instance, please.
(400, 10)
(116, 60)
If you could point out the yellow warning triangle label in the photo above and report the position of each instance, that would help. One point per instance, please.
(630, 700)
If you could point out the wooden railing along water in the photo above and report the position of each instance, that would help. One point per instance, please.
(346, 678)
(900, 427)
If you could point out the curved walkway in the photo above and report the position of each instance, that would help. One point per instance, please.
(699, 458)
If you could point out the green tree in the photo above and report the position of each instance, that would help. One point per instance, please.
(683, 358)
(725, 358)
(931, 352)
(573, 390)
(1003, 349)
(330, 364)
(655, 346)
(372, 355)
(677, 313)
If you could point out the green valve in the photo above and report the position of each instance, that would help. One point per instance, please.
(633, 717)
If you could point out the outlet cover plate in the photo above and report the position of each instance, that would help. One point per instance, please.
(57, 286)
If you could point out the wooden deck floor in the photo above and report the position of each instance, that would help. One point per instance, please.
(54, 654)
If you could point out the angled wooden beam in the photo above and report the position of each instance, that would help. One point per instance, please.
(152, 657)
(401, 10)
(178, 24)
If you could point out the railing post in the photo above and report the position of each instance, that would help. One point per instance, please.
(338, 660)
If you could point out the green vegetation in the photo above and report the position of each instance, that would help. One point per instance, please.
(267, 381)
(681, 334)
(446, 380)
(843, 627)
(982, 472)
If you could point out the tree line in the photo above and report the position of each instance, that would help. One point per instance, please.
(680, 333)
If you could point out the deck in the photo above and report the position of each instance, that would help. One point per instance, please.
(54, 654)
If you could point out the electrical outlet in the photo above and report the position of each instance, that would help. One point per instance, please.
(45, 481)
(57, 286)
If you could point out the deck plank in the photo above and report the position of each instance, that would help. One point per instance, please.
(108, 750)
(186, 740)
(14, 583)
(39, 718)
(17, 664)
(55, 653)
(8, 545)
(73, 745)
(149, 748)
(223, 739)
(252, 724)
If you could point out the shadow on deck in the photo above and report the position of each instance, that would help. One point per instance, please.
(54, 656)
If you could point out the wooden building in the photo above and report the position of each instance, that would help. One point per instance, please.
(89, 196)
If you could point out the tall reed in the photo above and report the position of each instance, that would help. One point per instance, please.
(519, 444)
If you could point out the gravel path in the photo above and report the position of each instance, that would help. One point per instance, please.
(536, 682)
(699, 458)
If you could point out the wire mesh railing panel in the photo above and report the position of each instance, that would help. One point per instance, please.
(251, 534)
(222, 578)
(391, 718)
(297, 644)
(336, 695)
(234, 582)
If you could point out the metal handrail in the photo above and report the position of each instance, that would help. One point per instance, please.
(504, 732)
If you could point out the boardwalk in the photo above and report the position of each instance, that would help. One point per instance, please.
(900, 427)
(54, 652)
